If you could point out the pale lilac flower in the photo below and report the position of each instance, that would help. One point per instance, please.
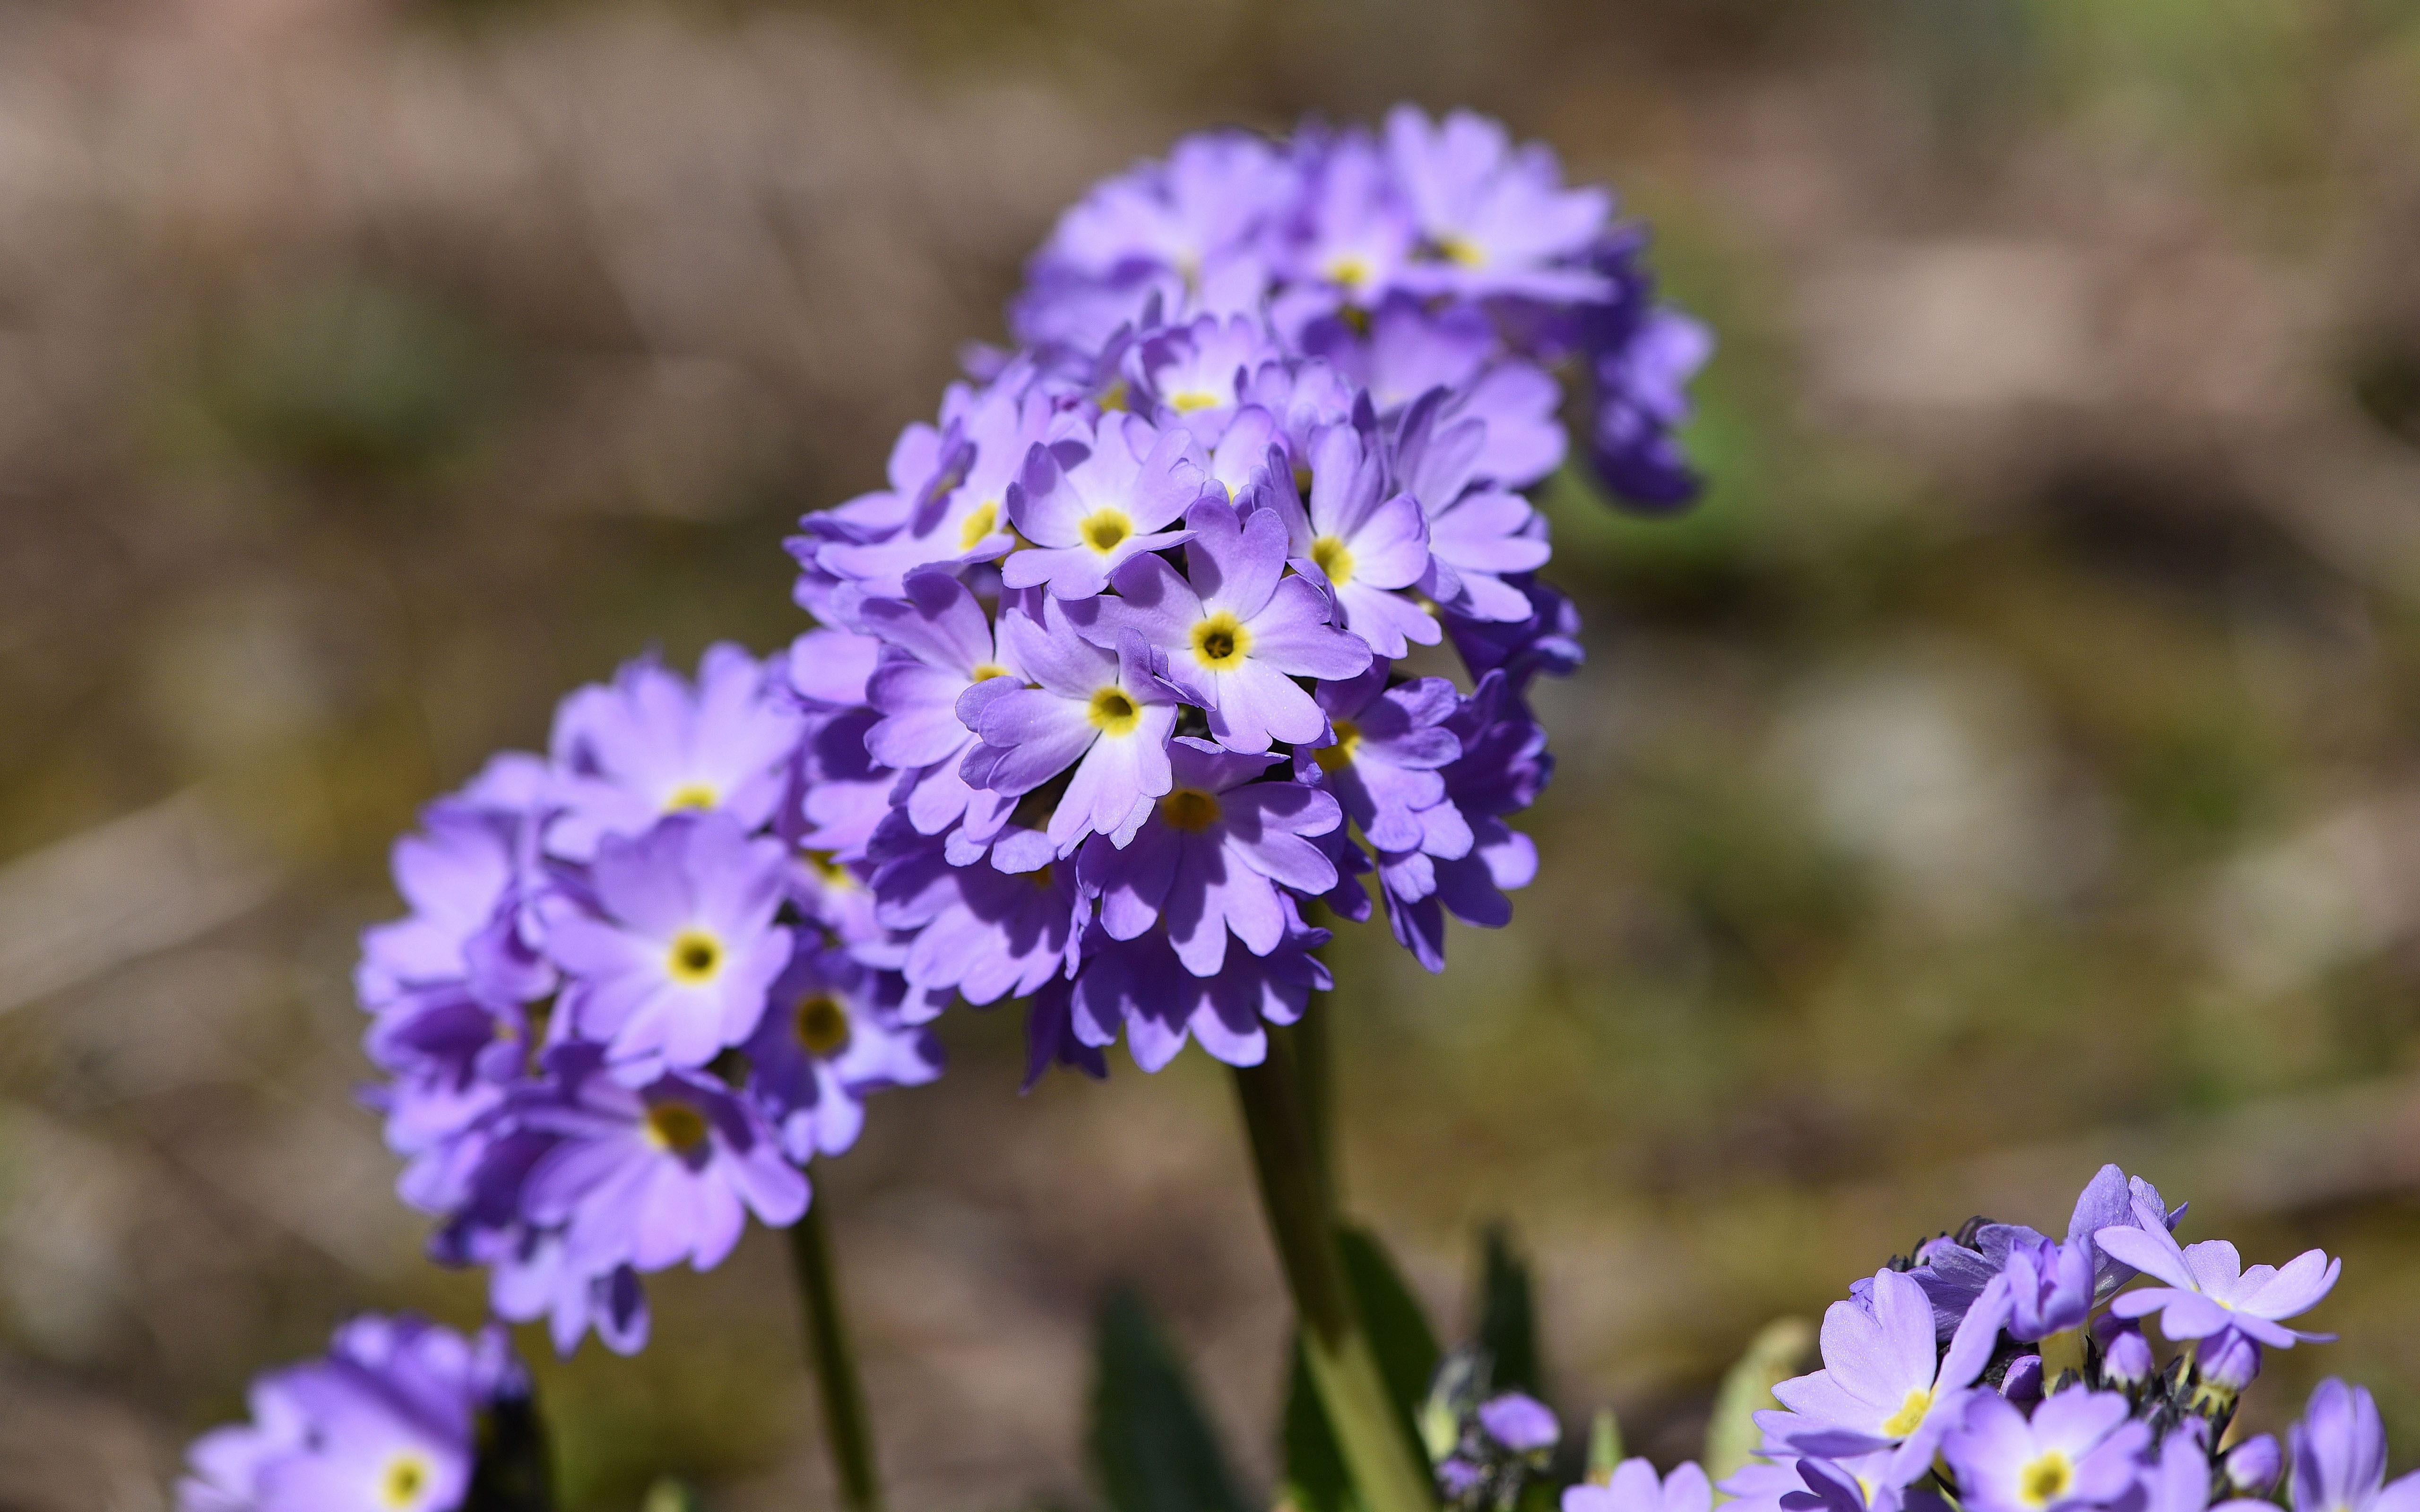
(1497, 215)
(1140, 986)
(674, 964)
(2178, 1478)
(1364, 543)
(831, 1035)
(1234, 636)
(1089, 513)
(1384, 764)
(960, 516)
(1883, 1384)
(1520, 1422)
(1636, 1488)
(2340, 1455)
(2207, 1289)
(648, 745)
(1098, 710)
(981, 928)
(654, 1175)
(1478, 534)
(2077, 1450)
(1196, 373)
(938, 643)
(1212, 857)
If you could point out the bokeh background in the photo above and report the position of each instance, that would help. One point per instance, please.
(2013, 763)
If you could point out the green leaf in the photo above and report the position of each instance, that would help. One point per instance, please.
(1605, 1447)
(1152, 1444)
(1407, 1349)
(1779, 1351)
(1508, 1318)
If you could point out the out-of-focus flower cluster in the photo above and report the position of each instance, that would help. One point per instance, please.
(2003, 1370)
(395, 1417)
(627, 1007)
(1125, 667)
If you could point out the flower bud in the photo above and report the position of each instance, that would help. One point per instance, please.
(2023, 1385)
(2125, 1354)
(2229, 1360)
(1519, 1422)
(2252, 1466)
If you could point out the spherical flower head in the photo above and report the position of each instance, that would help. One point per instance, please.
(1635, 1487)
(672, 964)
(649, 745)
(2206, 1288)
(384, 1423)
(829, 1038)
(1213, 858)
(654, 1175)
(2077, 1450)
(2340, 1455)
(1520, 1422)
(1233, 634)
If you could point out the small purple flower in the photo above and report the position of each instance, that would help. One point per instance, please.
(1363, 544)
(1196, 372)
(1547, 642)
(1498, 217)
(981, 928)
(1355, 232)
(2207, 1289)
(1384, 764)
(674, 964)
(474, 881)
(648, 745)
(1101, 711)
(1234, 636)
(1090, 514)
(938, 644)
(2340, 1455)
(385, 1423)
(2077, 1450)
(1478, 534)
(1883, 1384)
(2178, 1479)
(1640, 356)
(2126, 1358)
(1212, 857)
(1141, 986)
(1636, 1488)
(2054, 1284)
(655, 1175)
(2254, 1465)
(1520, 1423)
(831, 1036)
(958, 516)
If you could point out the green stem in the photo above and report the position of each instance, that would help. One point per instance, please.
(847, 1428)
(1387, 1468)
(1315, 1063)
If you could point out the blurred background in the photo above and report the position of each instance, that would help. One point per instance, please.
(2014, 763)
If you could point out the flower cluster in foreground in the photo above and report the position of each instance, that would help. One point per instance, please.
(2003, 1370)
(1114, 681)
(1138, 638)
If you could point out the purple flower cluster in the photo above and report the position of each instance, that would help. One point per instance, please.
(388, 1420)
(630, 1000)
(2005, 1371)
(1124, 669)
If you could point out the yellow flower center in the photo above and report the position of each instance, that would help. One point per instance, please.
(691, 796)
(821, 1025)
(1911, 1412)
(1462, 250)
(1220, 642)
(405, 1479)
(1190, 809)
(2045, 1480)
(676, 1126)
(828, 872)
(1339, 756)
(1113, 398)
(985, 520)
(1103, 529)
(984, 671)
(1111, 711)
(1352, 271)
(1185, 401)
(1334, 558)
(695, 958)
